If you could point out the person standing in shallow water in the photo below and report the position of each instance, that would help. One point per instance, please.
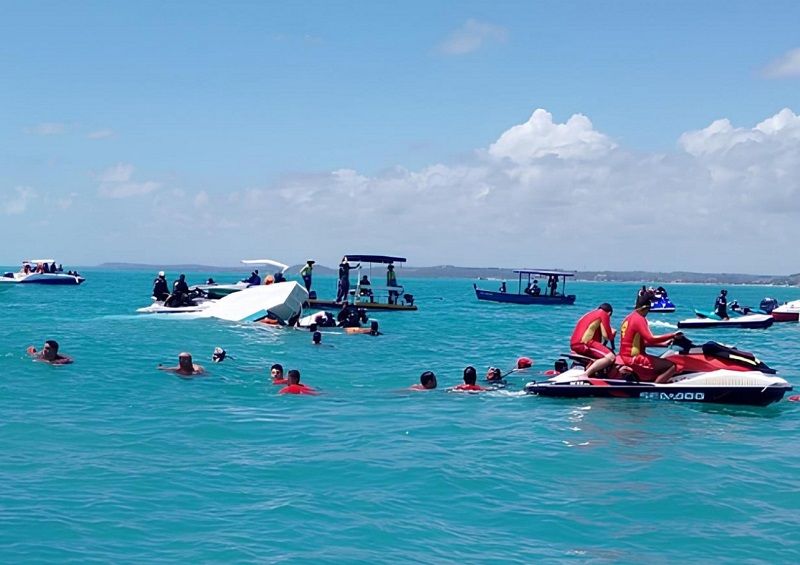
(185, 368)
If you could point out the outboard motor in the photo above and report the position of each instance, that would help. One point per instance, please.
(312, 294)
(768, 305)
(409, 298)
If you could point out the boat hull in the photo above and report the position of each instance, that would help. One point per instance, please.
(750, 321)
(511, 298)
(332, 304)
(719, 387)
(789, 312)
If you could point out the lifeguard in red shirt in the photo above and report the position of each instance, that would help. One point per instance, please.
(591, 331)
(470, 378)
(294, 385)
(635, 335)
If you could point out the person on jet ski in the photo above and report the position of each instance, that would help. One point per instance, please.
(254, 279)
(721, 305)
(591, 332)
(180, 290)
(635, 336)
(743, 310)
(160, 287)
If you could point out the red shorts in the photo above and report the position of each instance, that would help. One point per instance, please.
(593, 349)
(643, 366)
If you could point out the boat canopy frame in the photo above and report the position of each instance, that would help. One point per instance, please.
(547, 273)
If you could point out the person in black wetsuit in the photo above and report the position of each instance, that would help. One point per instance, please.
(352, 317)
(160, 288)
(179, 290)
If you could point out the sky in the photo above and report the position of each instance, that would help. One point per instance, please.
(578, 135)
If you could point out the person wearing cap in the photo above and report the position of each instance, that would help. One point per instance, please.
(160, 287)
(185, 368)
(305, 274)
(219, 355)
(635, 336)
(721, 305)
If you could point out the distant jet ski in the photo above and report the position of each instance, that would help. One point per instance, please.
(662, 304)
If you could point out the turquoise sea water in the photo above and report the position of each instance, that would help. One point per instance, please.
(110, 461)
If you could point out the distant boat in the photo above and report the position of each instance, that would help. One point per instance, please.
(34, 277)
(530, 294)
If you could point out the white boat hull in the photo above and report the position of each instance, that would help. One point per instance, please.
(55, 279)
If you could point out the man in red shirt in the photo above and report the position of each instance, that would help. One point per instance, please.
(591, 331)
(635, 336)
(470, 378)
(294, 386)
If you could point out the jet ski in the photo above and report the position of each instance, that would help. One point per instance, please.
(709, 373)
(736, 320)
(662, 304)
(195, 301)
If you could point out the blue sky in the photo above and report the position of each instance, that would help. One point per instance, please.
(210, 132)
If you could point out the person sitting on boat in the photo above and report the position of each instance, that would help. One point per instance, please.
(503, 286)
(591, 333)
(635, 336)
(351, 317)
(180, 290)
(50, 354)
(470, 380)
(55, 268)
(391, 280)
(26, 268)
(743, 310)
(211, 281)
(294, 386)
(364, 282)
(254, 279)
(279, 277)
(427, 381)
(160, 287)
(721, 305)
(45, 268)
(661, 292)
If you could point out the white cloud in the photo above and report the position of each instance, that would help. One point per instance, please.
(471, 37)
(47, 128)
(19, 200)
(540, 136)
(787, 65)
(115, 182)
(100, 134)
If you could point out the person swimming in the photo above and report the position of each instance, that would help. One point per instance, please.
(185, 368)
(427, 381)
(50, 354)
(276, 372)
(294, 386)
(469, 384)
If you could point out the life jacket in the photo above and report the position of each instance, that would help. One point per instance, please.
(297, 389)
(470, 388)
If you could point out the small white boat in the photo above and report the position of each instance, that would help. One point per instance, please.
(34, 277)
(216, 290)
(280, 302)
(789, 312)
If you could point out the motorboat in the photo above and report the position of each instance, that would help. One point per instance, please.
(789, 312)
(531, 293)
(216, 290)
(31, 273)
(710, 373)
(368, 295)
(711, 320)
(280, 303)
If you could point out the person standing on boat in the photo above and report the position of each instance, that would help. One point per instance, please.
(391, 280)
(635, 335)
(721, 305)
(160, 287)
(591, 331)
(552, 283)
(344, 280)
(305, 274)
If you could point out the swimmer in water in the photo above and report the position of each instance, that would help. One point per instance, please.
(49, 354)
(294, 386)
(470, 378)
(427, 381)
(276, 372)
(185, 368)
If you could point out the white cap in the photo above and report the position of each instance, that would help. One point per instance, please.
(160, 273)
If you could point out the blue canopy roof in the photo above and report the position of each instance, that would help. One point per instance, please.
(375, 259)
(545, 273)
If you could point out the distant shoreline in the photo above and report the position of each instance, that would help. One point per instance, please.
(496, 273)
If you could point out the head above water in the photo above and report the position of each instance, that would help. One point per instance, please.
(470, 375)
(316, 338)
(219, 355)
(293, 376)
(276, 370)
(428, 380)
(185, 360)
